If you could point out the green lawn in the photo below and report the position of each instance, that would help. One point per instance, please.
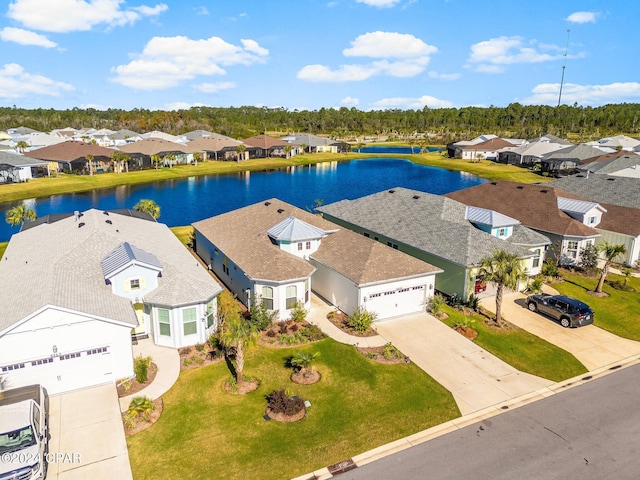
(183, 233)
(67, 183)
(205, 432)
(619, 313)
(521, 349)
(3, 247)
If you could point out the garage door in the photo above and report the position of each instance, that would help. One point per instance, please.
(67, 371)
(395, 302)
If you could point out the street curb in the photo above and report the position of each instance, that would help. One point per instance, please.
(474, 417)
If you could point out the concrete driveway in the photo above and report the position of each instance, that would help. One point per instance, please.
(593, 346)
(476, 378)
(87, 436)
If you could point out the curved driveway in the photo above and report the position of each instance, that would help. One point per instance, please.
(593, 346)
(476, 378)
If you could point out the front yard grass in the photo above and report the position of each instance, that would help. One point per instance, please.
(204, 432)
(520, 349)
(3, 247)
(619, 313)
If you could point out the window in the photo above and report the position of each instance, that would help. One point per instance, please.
(41, 361)
(292, 296)
(15, 366)
(267, 297)
(189, 324)
(135, 284)
(225, 265)
(366, 234)
(95, 351)
(502, 232)
(164, 322)
(210, 314)
(306, 291)
(536, 259)
(69, 356)
(300, 246)
(592, 220)
(572, 249)
(392, 245)
(308, 246)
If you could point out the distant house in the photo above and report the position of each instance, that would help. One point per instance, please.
(442, 232)
(526, 155)
(164, 136)
(488, 150)
(620, 164)
(221, 148)
(452, 147)
(619, 142)
(71, 156)
(609, 189)
(312, 143)
(16, 168)
(123, 137)
(277, 254)
(566, 160)
(197, 134)
(171, 153)
(76, 306)
(567, 220)
(267, 146)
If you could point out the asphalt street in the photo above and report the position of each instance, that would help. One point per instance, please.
(587, 432)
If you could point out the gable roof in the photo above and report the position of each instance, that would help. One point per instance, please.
(242, 236)
(613, 164)
(536, 206)
(431, 223)
(549, 138)
(69, 151)
(153, 146)
(264, 141)
(70, 275)
(123, 134)
(573, 152)
(212, 144)
(606, 189)
(617, 141)
(196, 134)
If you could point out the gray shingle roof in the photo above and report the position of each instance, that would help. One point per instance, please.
(16, 160)
(621, 191)
(579, 152)
(431, 223)
(60, 264)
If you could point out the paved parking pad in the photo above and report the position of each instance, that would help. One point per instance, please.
(87, 436)
(476, 378)
(593, 346)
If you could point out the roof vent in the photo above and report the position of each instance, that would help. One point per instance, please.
(81, 224)
(392, 191)
(266, 204)
(415, 197)
(493, 183)
(544, 191)
(610, 179)
(108, 221)
(280, 210)
(520, 187)
(105, 213)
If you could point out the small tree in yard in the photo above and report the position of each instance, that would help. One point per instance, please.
(148, 206)
(589, 258)
(141, 368)
(239, 334)
(436, 304)
(503, 269)
(361, 320)
(302, 361)
(609, 251)
(260, 316)
(298, 312)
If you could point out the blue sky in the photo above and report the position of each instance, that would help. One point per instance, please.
(309, 54)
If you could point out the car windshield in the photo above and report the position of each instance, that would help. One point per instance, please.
(17, 439)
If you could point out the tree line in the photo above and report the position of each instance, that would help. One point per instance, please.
(442, 125)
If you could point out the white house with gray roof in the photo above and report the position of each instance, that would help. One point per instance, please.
(76, 287)
(276, 253)
(440, 231)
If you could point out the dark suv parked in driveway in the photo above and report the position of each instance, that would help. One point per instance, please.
(566, 310)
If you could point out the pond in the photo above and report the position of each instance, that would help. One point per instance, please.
(185, 201)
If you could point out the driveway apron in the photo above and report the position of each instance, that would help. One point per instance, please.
(593, 346)
(476, 378)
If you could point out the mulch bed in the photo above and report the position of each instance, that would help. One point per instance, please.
(143, 424)
(467, 332)
(270, 337)
(340, 319)
(191, 357)
(247, 386)
(306, 377)
(137, 386)
(281, 417)
(375, 354)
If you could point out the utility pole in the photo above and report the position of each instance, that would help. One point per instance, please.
(564, 65)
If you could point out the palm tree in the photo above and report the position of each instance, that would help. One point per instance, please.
(21, 146)
(155, 158)
(170, 157)
(240, 149)
(20, 214)
(287, 150)
(197, 156)
(302, 361)
(503, 269)
(239, 334)
(89, 158)
(148, 206)
(610, 251)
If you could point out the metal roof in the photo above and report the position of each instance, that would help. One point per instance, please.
(489, 217)
(126, 254)
(292, 229)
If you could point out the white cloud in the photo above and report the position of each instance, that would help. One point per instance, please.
(349, 101)
(182, 105)
(379, 3)
(169, 61)
(201, 10)
(16, 83)
(25, 37)
(214, 87)
(400, 55)
(619, 92)
(445, 76)
(582, 17)
(96, 106)
(77, 15)
(411, 103)
(490, 56)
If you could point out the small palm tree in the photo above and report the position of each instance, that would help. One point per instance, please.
(20, 214)
(302, 361)
(156, 159)
(287, 150)
(240, 149)
(609, 251)
(239, 334)
(197, 157)
(148, 206)
(21, 146)
(503, 269)
(89, 158)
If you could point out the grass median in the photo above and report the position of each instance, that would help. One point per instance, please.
(357, 405)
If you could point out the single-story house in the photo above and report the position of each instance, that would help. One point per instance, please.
(488, 150)
(311, 143)
(602, 188)
(618, 142)
(221, 148)
(526, 155)
(442, 232)
(18, 168)
(78, 287)
(569, 221)
(267, 146)
(276, 253)
(567, 159)
(71, 156)
(617, 164)
(122, 137)
(142, 151)
(453, 146)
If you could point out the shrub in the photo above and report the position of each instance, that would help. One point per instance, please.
(126, 384)
(361, 320)
(141, 368)
(279, 402)
(436, 304)
(330, 315)
(550, 269)
(283, 327)
(390, 352)
(271, 333)
(536, 284)
(299, 313)
(302, 360)
(141, 407)
(260, 316)
(589, 258)
(312, 333)
(200, 347)
(473, 302)
(294, 328)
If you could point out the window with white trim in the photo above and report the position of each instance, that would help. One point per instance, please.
(572, 249)
(210, 314)
(267, 297)
(536, 259)
(292, 296)
(308, 246)
(134, 284)
(164, 322)
(299, 246)
(189, 321)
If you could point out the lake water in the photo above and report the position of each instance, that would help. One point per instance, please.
(191, 199)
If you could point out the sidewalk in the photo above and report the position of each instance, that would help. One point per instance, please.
(168, 362)
(318, 316)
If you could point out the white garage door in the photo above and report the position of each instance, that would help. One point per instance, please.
(395, 302)
(67, 371)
